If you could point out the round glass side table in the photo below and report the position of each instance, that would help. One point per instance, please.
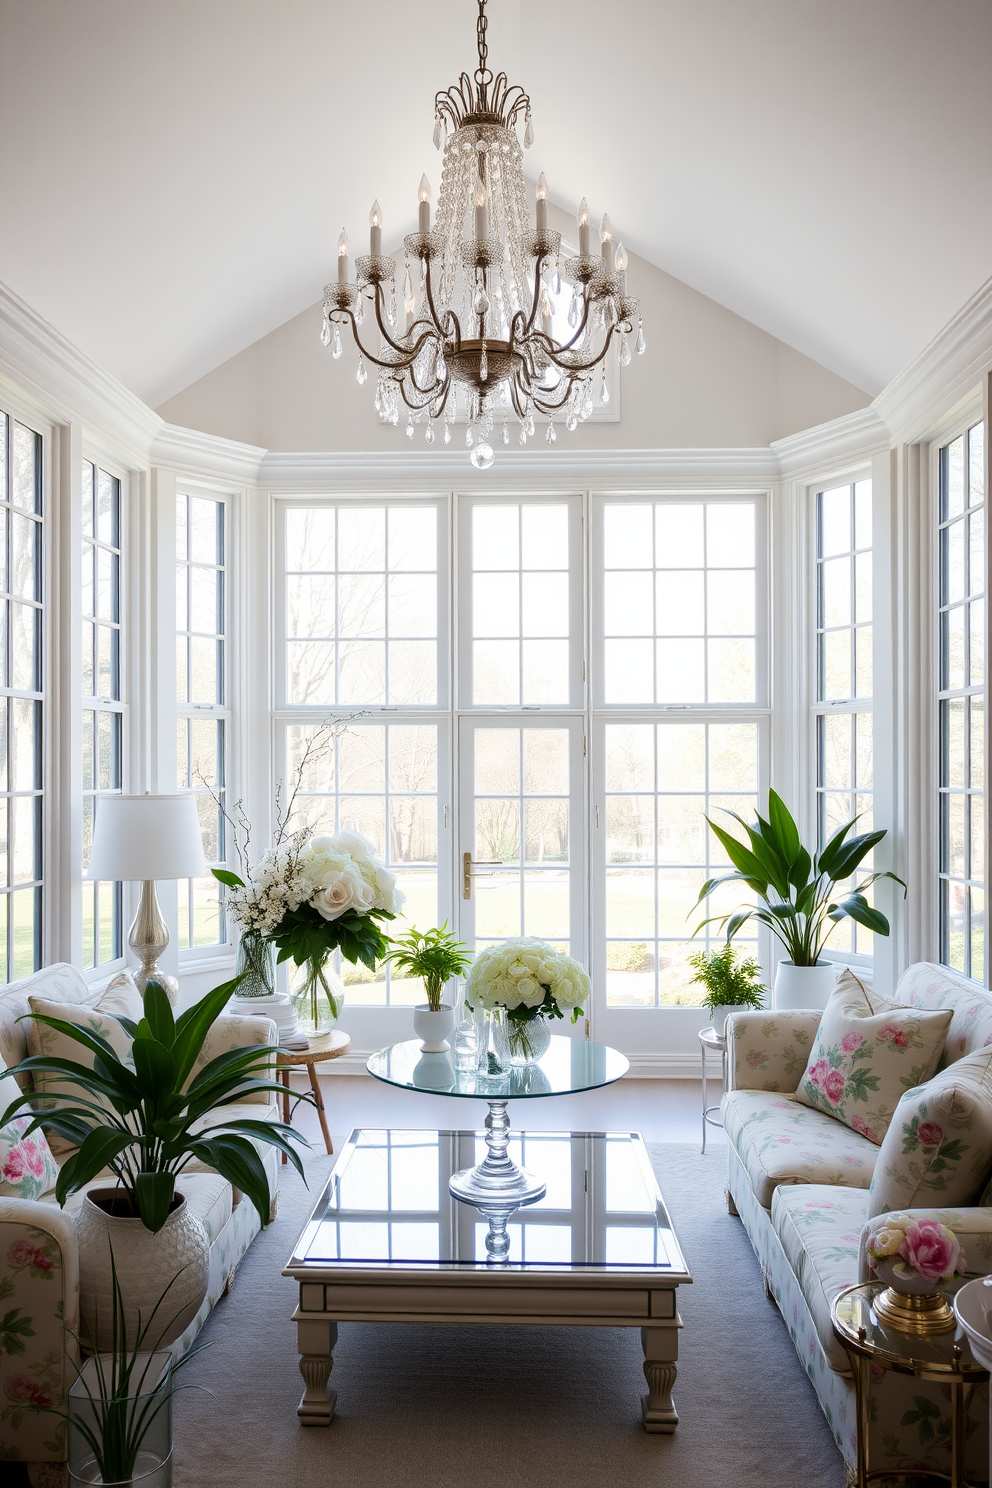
(498, 1186)
(944, 1358)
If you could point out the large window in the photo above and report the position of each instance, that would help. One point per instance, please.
(103, 708)
(203, 714)
(961, 702)
(843, 697)
(21, 697)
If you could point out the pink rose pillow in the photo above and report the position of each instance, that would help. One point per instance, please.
(867, 1052)
(937, 1152)
(27, 1167)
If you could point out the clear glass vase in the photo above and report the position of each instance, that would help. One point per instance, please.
(257, 961)
(318, 997)
(493, 1044)
(141, 1420)
(527, 1039)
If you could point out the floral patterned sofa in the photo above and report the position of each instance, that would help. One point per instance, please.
(39, 1282)
(800, 1181)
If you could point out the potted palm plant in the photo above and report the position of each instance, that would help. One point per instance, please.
(799, 895)
(143, 1118)
(435, 956)
(731, 981)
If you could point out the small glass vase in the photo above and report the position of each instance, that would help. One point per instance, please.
(257, 961)
(493, 1044)
(108, 1419)
(527, 1039)
(318, 998)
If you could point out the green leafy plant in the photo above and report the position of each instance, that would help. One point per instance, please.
(798, 890)
(434, 955)
(730, 979)
(139, 1122)
(131, 1388)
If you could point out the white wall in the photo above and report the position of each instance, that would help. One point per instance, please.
(709, 380)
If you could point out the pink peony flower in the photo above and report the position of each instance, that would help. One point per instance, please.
(851, 1041)
(35, 1160)
(890, 1034)
(818, 1073)
(930, 1134)
(14, 1165)
(860, 1125)
(41, 1397)
(41, 1262)
(931, 1250)
(19, 1388)
(21, 1253)
(833, 1087)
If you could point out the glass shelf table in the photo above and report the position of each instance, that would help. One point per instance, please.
(498, 1185)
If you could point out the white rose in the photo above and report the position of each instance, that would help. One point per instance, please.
(343, 891)
(358, 847)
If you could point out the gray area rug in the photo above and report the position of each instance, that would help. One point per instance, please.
(509, 1407)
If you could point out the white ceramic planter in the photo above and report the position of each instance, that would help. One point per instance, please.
(973, 1309)
(434, 1029)
(718, 1017)
(801, 987)
(146, 1262)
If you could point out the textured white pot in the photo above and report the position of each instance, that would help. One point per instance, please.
(718, 1017)
(804, 986)
(145, 1263)
(434, 1029)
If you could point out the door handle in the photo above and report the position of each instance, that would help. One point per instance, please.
(470, 865)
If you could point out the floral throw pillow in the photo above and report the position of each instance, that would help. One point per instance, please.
(27, 1167)
(45, 1040)
(938, 1148)
(866, 1054)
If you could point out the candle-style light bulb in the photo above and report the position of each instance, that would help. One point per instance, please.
(584, 228)
(542, 203)
(425, 189)
(606, 241)
(481, 211)
(375, 229)
(343, 258)
(620, 263)
(424, 196)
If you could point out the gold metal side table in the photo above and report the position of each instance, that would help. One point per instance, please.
(322, 1046)
(943, 1358)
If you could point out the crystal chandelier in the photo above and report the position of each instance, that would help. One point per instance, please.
(477, 337)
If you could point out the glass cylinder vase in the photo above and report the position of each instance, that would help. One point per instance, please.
(527, 1039)
(493, 1045)
(257, 963)
(318, 997)
(122, 1441)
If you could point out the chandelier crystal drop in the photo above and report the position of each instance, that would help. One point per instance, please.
(481, 335)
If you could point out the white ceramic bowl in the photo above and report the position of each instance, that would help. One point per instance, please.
(973, 1309)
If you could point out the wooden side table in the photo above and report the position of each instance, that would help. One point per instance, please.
(322, 1046)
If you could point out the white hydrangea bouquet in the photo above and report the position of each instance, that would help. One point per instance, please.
(311, 896)
(533, 983)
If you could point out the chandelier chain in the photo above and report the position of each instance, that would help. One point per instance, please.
(483, 76)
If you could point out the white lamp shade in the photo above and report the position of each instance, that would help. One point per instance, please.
(140, 837)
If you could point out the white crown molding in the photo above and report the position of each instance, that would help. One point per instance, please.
(69, 386)
(943, 374)
(842, 442)
(739, 469)
(191, 452)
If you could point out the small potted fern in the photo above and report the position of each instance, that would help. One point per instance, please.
(435, 956)
(732, 981)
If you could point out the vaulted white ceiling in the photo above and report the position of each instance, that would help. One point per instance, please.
(174, 173)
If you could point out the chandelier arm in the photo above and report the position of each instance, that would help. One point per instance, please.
(417, 407)
(379, 298)
(350, 319)
(594, 362)
(515, 390)
(581, 330)
(447, 320)
(547, 407)
(536, 298)
(518, 316)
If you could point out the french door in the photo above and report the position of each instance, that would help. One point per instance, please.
(522, 833)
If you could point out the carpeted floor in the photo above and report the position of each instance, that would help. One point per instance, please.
(447, 1407)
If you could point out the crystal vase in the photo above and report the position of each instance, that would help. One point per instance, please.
(319, 997)
(527, 1039)
(256, 962)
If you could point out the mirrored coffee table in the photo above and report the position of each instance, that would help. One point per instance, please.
(388, 1242)
(497, 1184)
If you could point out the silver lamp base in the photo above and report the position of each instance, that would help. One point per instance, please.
(149, 939)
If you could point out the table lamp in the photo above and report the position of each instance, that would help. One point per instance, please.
(144, 838)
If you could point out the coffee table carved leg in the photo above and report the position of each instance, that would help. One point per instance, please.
(315, 1087)
(315, 1339)
(661, 1350)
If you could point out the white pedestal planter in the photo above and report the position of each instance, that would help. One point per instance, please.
(800, 987)
(434, 1029)
(145, 1262)
(718, 1017)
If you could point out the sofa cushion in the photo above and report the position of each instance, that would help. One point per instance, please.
(237, 1111)
(938, 1148)
(27, 1167)
(61, 983)
(819, 1227)
(50, 1041)
(780, 1141)
(926, 985)
(866, 1053)
(208, 1194)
